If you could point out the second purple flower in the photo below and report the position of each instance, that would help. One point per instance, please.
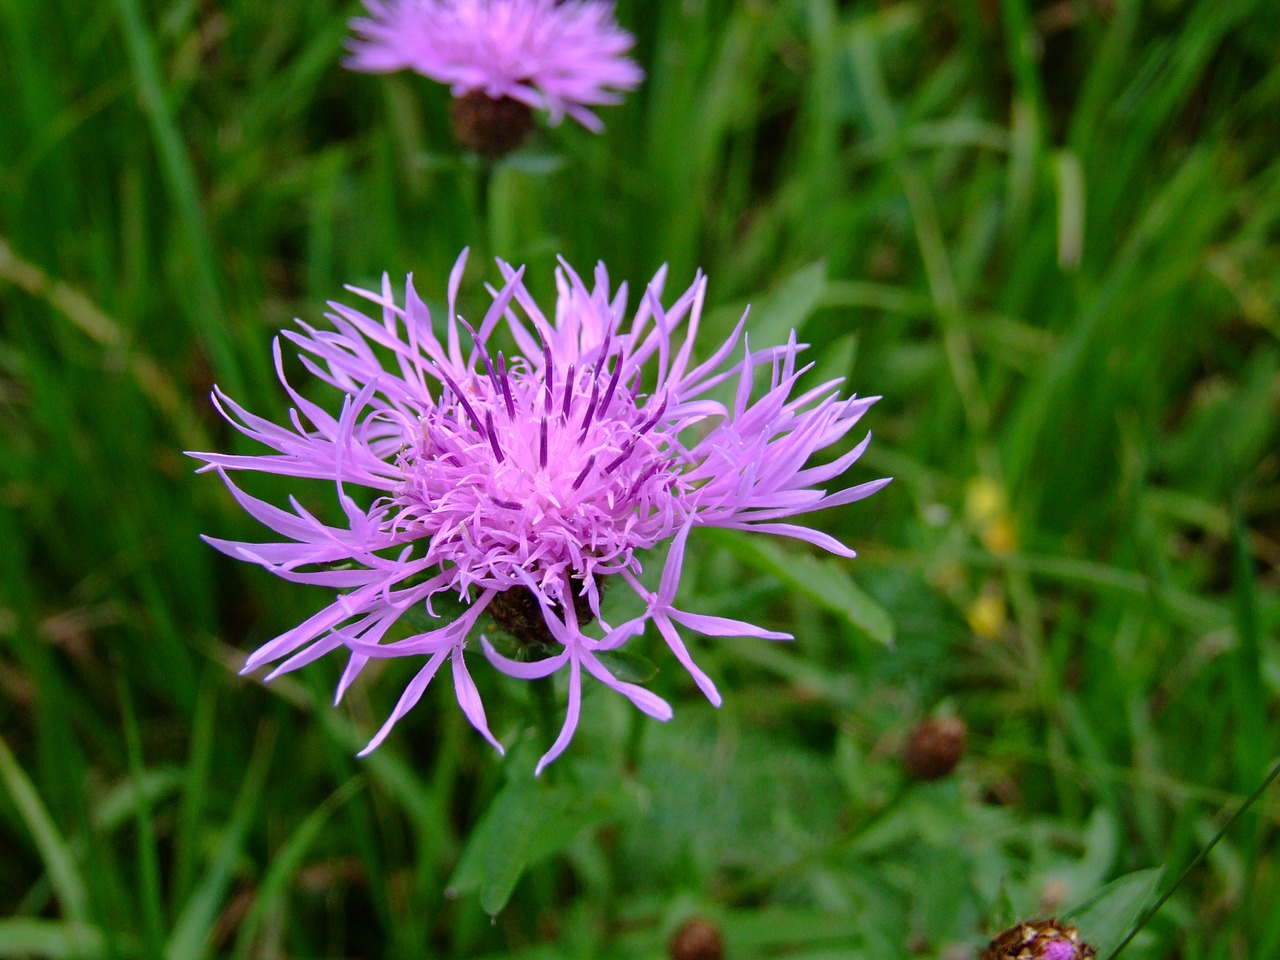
(503, 58)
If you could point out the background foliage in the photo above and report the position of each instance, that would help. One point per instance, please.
(1047, 233)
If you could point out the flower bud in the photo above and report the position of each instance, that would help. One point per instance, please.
(934, 747)
(1039, 940)
(696, 939)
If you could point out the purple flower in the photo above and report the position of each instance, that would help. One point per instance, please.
(562, 56)
(522, 484)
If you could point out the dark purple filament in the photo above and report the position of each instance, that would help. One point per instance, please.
(493, 436)
(506, 386)
(591, 460)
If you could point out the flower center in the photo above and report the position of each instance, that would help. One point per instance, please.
(561, 475)
(518, 612)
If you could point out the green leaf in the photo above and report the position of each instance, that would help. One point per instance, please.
(627, 666)
(64, 876)
(117, 803)
(821, 579)
(788, 307)
(529, 821)
(285, 863)
(1106, 917)
(189, 939)
(56, 939)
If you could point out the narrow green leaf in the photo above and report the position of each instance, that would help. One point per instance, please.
(208, 316)
(786, 308)
(823, 580)
(55, 939)
(195, 790)
(117, 804)
(1252, 744)
(64, 875)
(285, 863)
(189, 939)
(1107, 916)
(151, 901)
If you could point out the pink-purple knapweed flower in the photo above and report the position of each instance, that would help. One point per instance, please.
(522, 484)
(562, 56)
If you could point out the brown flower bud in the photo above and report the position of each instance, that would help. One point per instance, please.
(934, 747)
(491, 128)
(1039, 940)
(696, 939)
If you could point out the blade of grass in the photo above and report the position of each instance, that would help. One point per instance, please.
(194, 789)
(189, 939)
(1204, 852)
(64, 875)
(108, 333)
(152, 904)
(208, 314)
(51, 939)
(284, 864)
(1252, 744)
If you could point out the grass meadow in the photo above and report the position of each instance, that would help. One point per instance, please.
(1047, 233)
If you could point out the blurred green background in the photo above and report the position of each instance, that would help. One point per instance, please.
(1048, 233)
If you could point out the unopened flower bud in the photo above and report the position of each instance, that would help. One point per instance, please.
(934, 747)
(696, 939)
(1039, 940)
(491, 128)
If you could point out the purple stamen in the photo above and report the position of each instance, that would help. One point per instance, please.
(613, 384)
(627, 447)
(591, 408)
(461, 399)
(493, 436)
(568, 394)
(506, 386)
(652, 421)
(649, 472)
(548, 371)
(604, 349)
(484, 355)
(542, 449)
(591, 460)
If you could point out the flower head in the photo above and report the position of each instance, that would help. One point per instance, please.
(1039, 940)
(563, 56)
(522, 484)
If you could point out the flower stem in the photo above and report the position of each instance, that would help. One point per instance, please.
(544, 705)
(484, 218)
(636, 727)
(1204, 852)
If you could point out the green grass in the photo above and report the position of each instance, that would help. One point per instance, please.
(1048, 235)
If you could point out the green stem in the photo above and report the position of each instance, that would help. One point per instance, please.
(637, 726)
(1204, 852)
(484, 221)
(544, 705)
